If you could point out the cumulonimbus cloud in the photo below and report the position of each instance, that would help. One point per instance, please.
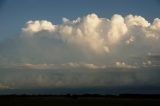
(85, 52)
(87, 39)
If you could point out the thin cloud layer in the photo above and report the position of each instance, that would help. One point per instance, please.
(72, 65)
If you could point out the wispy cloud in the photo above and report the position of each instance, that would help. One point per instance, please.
(4, 86)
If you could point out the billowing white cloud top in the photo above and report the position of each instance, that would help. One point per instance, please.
(98, 34)
(37, 26)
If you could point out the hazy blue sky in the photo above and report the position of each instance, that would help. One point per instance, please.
(80, 44)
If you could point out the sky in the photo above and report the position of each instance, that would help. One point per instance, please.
(95, 46)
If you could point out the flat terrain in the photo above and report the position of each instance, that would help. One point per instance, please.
(76, 101)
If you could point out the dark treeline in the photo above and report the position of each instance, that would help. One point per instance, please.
(81, 100)
(89, 95)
